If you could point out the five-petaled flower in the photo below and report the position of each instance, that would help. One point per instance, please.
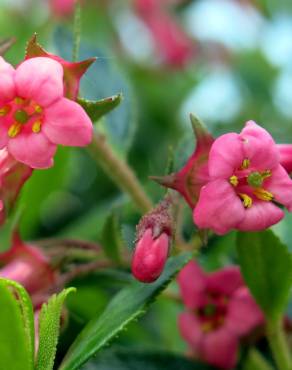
(34, 114)
(220, 311)
(246, 183)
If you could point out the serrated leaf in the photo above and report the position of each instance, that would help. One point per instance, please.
(17, 327)
(126, 306)
(99, 108)
(266, 266)
(123, 359)
(49, 328)
(111, 238)
(256, 361)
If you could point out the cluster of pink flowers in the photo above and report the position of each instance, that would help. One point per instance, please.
(219, 312)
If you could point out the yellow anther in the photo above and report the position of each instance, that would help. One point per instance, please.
(14, 130)
(245, 164)
(266, 174)
(233, 180)
(263, 194)
(247, 201)
(38, 109)
(19, 100)
(36, 127)
(207, 326)
(4, 110)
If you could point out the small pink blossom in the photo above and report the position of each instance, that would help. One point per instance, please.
(285, 151)
(220, 311)
(246, 182)
(27, 265)
(34, 115)
(150, 256)
(62, 8)
(174, 46)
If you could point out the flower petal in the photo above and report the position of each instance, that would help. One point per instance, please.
(67, 124)
(259, 147)
(190, 330)
(7, 85)
(260, 216)
(226, 155)
(218, 208)
(192, 282)
(243, 314)
(280, 185)
(40, 79)
(219, 348)
(34, 150)
(225, 281)
(285, 151)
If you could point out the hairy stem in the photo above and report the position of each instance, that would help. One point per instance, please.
(119, 171)
(278, 345)
(76, 30)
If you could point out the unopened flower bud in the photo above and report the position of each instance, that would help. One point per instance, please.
(154, 233)
(150, 256)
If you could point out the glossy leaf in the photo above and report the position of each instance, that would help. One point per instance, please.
(17, 327)
(266, 266)
(126, 306)
(49, 328)
(122, 359)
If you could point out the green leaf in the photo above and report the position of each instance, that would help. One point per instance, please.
(123, 359)
(49, 327)
(99, 108)
(126, 306)
(111, 238)
(256, 361)
(266, 266)
(17, 327)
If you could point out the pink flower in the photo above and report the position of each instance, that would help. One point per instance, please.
(174, 46)
(73, 71)
(220, 310)
(150, 256)
(62, 8)
(285, 151)
(246, 182)
(34, 114)
(27, 265)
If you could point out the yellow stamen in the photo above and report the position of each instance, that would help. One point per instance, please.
(14, 130)
(245, 164)
(233, 180)
(207, 326)
(266, 174)
(19, 101)
(38, 109)
(5, 110)
(263, 194)
(36, 127)
(247, 201)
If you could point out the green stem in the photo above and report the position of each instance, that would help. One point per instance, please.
(278, 345)
(76, 30)
(119, 171)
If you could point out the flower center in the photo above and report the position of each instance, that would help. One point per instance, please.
(248, 184)
(22, 114)
(212, 314)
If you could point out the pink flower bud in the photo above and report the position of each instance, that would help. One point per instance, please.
(28, 266)
(62, 8)
(285, 151)
(150, 256)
